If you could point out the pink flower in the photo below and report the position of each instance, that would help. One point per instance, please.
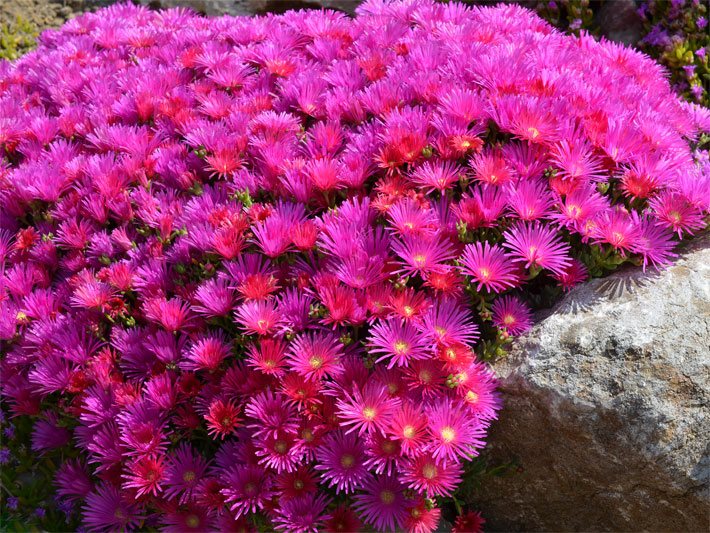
(537, 245)
(368, 410)
(512, 315)
(489, 266)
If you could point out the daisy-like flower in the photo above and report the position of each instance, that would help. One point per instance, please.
(107, 508)
(383, 453)
(72, 480)
(342, 519)
(191, 518)
(674, 210)
(214, 298)
(655, 243)
(447, 322)
(489, 266)
(476, 386)
(174, 314)
(575, 161)
(537, 245)
(296, 483)
(529, 199)
(341, 461)
(409, 426)
(573, 275)
(423, 255)
(382, 503)
(277, 451)
(270, 413)
(185, 470)
(207, 353)
(222, 417)
(431, 477)
(512, 315)
(490, 167)
(268, 356)
(145, 474)
(315, 355)
(248, 489)
(470, 522)
(454, 434)
(258, 317)
(368, 410)
(580, 205)
(422, 517)
(436, 176)
(408, 217)
(618, 228)
(398, 342)
(303, 515)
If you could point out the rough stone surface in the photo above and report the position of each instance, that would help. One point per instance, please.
(606, 409)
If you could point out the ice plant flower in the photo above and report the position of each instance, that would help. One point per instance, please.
(245, 263)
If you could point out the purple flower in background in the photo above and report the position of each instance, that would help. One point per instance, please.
(689, 70)
(701, 23)
(697, 91)
(12, 503)
(552, 4)
(40, 512)
(9, 432)
(5, 456)
(575, 24)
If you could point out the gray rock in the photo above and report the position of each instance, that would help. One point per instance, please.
(607, 408)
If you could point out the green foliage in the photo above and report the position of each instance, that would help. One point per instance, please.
(26, 488)
(677, 35)
(16, 38)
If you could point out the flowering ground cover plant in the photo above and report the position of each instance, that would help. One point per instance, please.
(252, 268)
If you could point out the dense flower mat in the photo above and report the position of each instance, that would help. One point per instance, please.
(251, 267)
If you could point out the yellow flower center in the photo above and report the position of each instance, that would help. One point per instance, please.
(448, 434)
(369, 413)
(408, 432)
(315, 362)
(189, 476)
(429, 471)
(401, 347)
(192, 521)
(471, 397)
(419, 259)
(347, 460)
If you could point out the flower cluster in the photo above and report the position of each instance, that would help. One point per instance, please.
(251, 267)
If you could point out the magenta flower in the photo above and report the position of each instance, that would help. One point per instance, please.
(454, 434)
(430, 476)
(382, 504)
(107, 507)
(489, 266)
(341, 459)
(537, 246)
(368, 410)
(512, 315)
(315, 356)
(397, 342)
